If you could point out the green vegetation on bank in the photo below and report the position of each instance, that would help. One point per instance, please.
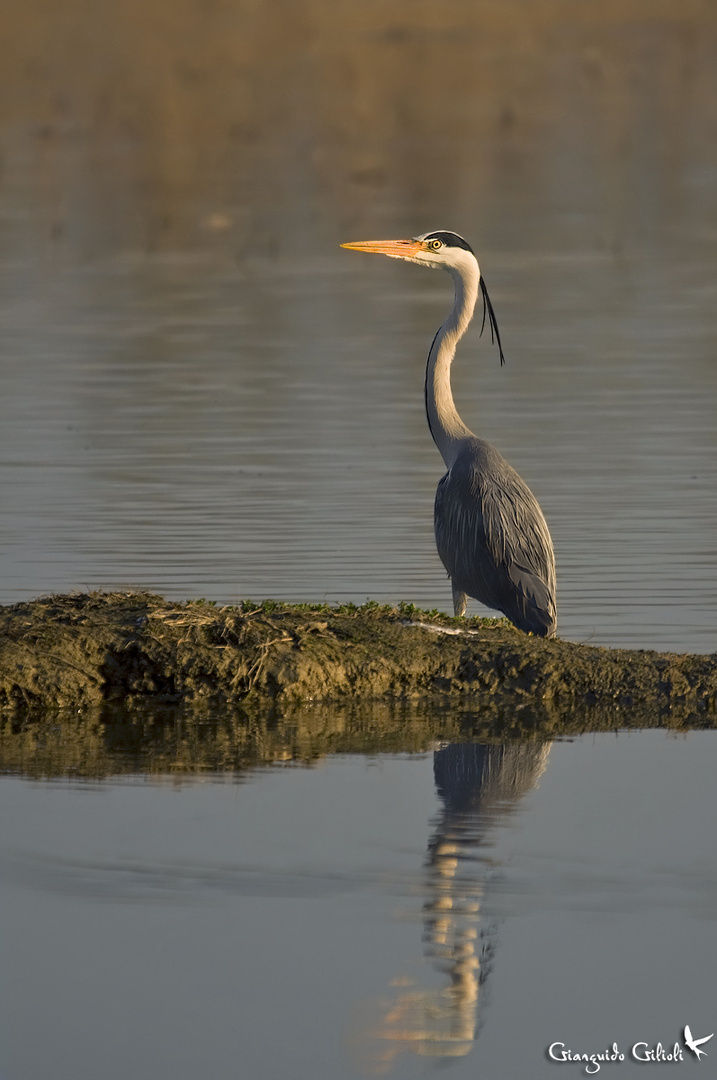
(135, 649)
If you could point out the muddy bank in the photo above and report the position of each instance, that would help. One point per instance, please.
(135, 648)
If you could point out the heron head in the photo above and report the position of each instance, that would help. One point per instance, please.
(446, 250)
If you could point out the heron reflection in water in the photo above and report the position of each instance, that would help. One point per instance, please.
(490, 532)
(478, 785)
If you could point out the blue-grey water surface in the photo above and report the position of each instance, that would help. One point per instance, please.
(367, 916)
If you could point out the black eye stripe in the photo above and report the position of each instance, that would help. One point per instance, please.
(450, 239)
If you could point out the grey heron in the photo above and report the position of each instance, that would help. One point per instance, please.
(490, 532)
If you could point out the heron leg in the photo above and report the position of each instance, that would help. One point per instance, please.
(460, 601)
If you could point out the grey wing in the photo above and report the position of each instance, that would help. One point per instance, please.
(493, 540)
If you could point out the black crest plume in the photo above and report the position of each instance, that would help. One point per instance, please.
(488, 308)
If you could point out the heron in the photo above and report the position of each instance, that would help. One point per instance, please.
(490, 532)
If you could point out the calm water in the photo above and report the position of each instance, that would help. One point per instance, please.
(204, 396)
(369, 916)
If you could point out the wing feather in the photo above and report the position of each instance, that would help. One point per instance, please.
(493, 540)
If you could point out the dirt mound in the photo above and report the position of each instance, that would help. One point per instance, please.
(136, 648)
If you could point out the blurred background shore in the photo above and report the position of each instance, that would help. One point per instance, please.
(165, 125)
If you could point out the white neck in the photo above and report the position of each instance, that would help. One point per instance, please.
(447, 428)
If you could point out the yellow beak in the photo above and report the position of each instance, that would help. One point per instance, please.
(395, 249)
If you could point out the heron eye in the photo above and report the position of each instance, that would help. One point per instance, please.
(436, 245)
